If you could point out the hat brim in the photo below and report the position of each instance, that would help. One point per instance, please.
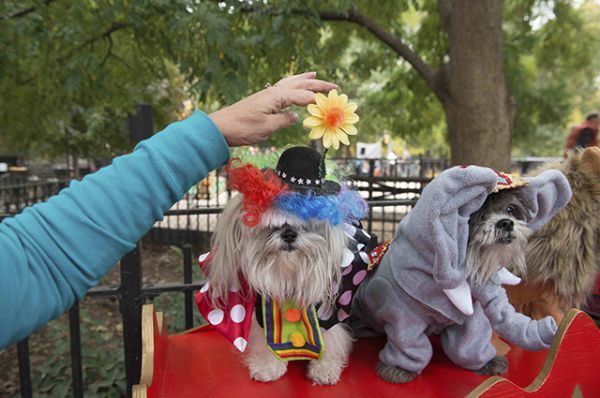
(327, 188)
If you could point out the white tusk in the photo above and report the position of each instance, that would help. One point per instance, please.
(507, 277)
(460, 296)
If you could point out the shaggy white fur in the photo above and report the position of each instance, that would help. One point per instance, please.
(285, 259)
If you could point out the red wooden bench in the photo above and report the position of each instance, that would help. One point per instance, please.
(201, 363)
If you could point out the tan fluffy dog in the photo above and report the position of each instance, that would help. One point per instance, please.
(562, 257)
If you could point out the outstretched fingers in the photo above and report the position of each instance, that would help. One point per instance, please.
(300, 76)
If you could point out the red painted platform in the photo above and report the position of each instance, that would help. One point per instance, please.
(201, 362)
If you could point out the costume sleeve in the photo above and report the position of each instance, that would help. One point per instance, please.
(53, 252)
(585, 138)
(513, 326)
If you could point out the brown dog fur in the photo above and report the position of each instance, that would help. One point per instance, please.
(562, 257)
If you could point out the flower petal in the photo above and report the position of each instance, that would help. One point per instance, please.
(327, 138)
(321, 100)
(332, 99)
(312, 121)
(349, 108)
(342, 101)
(315, 110)
(349, 129)
(343, 137)
(317, 132)
(351, 119)
(334, 141)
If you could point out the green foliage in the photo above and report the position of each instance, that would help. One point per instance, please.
(71, 71)
(260, 158)
(552, 67)
(102, 353)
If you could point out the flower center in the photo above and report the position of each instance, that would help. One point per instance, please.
(334, 117)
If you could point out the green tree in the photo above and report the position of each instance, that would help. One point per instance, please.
(482, 72)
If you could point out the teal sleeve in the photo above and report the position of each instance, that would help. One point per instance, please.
(53, 252)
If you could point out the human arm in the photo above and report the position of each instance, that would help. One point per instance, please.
(54, 252)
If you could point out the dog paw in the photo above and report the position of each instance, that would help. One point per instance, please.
(394, 374)
(270, 371)
(324, 372)
(495, 366)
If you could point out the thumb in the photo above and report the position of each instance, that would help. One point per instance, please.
(282, 120)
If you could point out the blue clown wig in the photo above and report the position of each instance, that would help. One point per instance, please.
(347, 206)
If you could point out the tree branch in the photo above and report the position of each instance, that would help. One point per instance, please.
(108, 51)
(106, 34)
(24, 12)
(428, 74)
(434, 77)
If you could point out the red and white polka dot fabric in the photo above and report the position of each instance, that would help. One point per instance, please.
(234, 319)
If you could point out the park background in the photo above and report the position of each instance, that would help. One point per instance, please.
(473, 82)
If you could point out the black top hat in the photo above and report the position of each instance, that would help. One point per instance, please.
(303, 170)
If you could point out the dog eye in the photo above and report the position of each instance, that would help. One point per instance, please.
(510, 210)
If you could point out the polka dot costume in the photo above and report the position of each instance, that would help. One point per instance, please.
(357, 263)
(234, 319)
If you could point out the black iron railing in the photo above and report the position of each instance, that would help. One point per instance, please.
(390, 195)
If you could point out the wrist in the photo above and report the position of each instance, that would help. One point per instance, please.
(223, 124)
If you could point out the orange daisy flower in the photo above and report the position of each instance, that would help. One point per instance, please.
(331, 118)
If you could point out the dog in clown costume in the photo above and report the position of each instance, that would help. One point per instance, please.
(286, 258)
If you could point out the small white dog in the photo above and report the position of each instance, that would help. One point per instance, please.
(284, 267)
(285, 259)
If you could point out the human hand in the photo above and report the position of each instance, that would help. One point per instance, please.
(255, 118)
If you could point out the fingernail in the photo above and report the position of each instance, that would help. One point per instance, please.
(295, 117)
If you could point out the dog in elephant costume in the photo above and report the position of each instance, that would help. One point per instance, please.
(425, 283)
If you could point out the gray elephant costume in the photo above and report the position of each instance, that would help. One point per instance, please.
(420, 286)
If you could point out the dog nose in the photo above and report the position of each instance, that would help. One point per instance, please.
(289, 235)
(505, 224)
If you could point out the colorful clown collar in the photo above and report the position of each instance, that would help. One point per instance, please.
(291, 333)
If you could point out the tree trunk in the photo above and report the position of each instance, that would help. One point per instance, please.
(75, 153)
(479, 107)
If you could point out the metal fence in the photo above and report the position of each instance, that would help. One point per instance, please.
(390, 187)
(379, 181)
(17, 194)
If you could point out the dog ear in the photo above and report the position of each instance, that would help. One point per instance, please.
(226, 251)
(590, 160)
(438, 226)
(544, 196)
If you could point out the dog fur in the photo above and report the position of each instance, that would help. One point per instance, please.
(283, 258)
(562, 257)
(497, 236)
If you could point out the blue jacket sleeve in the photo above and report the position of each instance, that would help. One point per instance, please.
(53, 252)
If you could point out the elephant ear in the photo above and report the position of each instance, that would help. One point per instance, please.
(544, 196)
(449, 201)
